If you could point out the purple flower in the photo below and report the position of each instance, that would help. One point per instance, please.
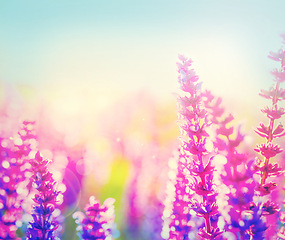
(98, 220)
(273, 112)
(203, 209)
(251, 223)
(10, 200)
(236, 174)
(269, 208)
(266, 188)
(44, 224)
(14, 153)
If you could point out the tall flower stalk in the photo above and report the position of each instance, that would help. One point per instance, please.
(10, 200)
(271, 131)
(98, 220)
(44, 224)
(268, 150)
(196, 171)
(14, 153)
(240, 213)
(178, 220)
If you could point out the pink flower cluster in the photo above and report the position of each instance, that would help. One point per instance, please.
(236, 200)
(98, 220)
(195, 188)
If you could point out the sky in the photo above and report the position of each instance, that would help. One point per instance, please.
(63, 47)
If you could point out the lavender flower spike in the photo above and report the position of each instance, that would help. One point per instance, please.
(98, 220)
(43, 225)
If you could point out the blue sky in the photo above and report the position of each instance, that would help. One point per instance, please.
(127, 45)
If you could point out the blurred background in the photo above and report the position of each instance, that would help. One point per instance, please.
(99, 77)
(66, 49)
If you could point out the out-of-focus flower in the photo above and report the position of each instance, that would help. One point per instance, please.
(236, 173)
(277, 56)
(225, 131)
(10, 201)
(269, 150)
(14, 154)
(281, 233)
(279, 75)
(274, 112)
(252, 223)
(98, 220)
(272, 93)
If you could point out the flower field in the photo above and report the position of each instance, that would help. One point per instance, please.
(140, 168)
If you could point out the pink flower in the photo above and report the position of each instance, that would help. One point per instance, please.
(183, 59)
(186, 101)
(195, 130)
(200, 170)
(269, 208)
(212, 235)
(278, 131)
(236, 158)
(191, 115)
(196, 148)
(98, 220)
(214, 107)
(268, 150)
(280, 95)
(264, 131)
(270, 169)
(194, 123)
(225, 131)
(279, 75)
(187, 77)
(200, 189)
(202, 209)
(236, 141)
(278, 56)
(281, 233)
(266, 188)
(273, 113)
